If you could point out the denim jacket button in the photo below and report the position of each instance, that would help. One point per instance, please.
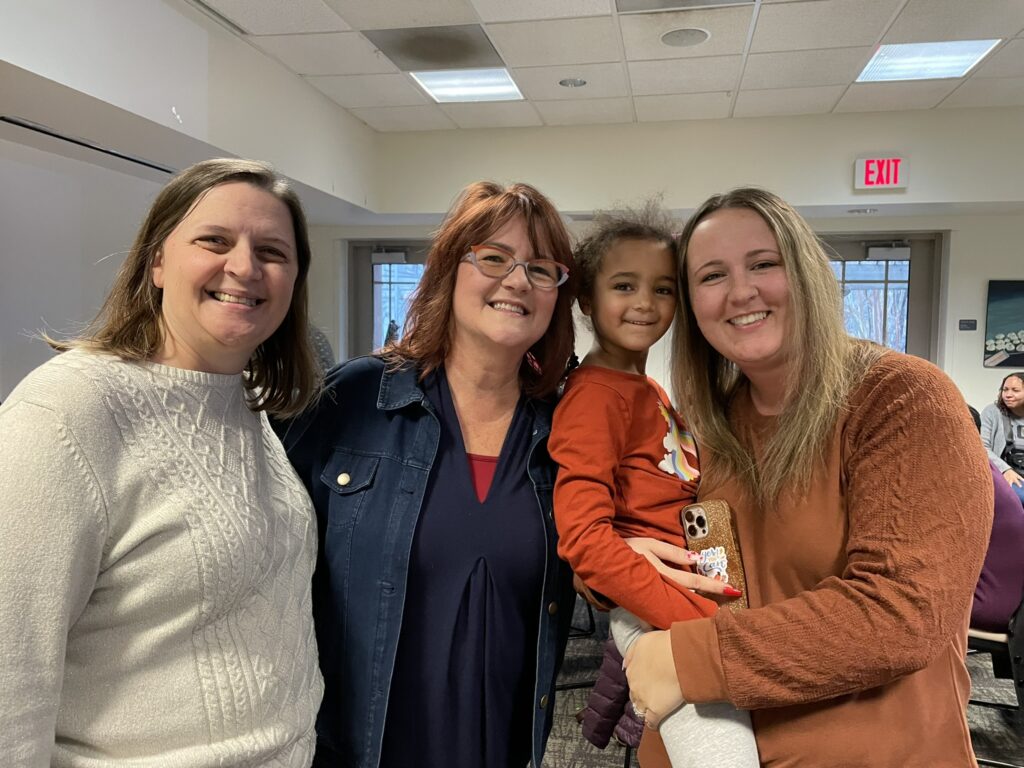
(552, 609)
(543, 701)
(344, 478)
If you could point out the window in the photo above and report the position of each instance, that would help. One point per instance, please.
(392, 286)
(875, 299)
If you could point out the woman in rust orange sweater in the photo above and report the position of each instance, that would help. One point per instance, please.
(859, 569)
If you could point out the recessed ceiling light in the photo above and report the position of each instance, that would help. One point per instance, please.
(452, 85)
(925, 61)
(862, 210)
(572, 82)
(686, 37)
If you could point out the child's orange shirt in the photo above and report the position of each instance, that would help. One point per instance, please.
(627, 466)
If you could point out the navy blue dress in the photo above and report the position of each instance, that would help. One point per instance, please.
(461, 694)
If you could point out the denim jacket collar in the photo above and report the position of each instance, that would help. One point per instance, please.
(401, 387)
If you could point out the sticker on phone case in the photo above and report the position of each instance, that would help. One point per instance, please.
(714, 563)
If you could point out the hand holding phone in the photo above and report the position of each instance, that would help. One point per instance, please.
(709, 532)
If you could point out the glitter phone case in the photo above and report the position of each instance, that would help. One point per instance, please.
(708, 528)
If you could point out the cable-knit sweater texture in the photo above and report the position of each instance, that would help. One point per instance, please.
(860, 586)
(156, 550)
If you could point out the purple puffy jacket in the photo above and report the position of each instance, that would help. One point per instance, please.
(607, 711)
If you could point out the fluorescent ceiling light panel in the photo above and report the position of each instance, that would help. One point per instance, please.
(451, 85)
(925, 61)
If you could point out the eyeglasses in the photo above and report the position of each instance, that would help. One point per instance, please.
(497, 263)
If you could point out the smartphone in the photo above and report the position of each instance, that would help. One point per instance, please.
(709, 532)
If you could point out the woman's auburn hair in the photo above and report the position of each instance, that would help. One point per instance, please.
(482, 209)
(999, 396)
(282, 375)
(825, 364)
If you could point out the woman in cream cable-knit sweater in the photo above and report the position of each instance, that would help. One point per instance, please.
(156, 547)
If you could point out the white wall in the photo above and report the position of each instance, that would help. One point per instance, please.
(65, 225)
(953, 155)
(145, 57)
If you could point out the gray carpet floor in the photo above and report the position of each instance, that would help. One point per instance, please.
(997, 735)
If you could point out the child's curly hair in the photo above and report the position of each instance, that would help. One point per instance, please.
(650, 221)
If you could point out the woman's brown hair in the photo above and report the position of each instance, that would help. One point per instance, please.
(826, 363)
(481, 210)
(281, 376)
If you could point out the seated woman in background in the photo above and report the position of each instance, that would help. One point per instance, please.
(441, 605)
(859, 567)
(157, 547)
(1001, 584)
(1002, 432)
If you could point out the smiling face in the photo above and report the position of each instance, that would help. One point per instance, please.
(633, 302)
(739, 290)
(227, 272)
(1013, 395)
(508, 313)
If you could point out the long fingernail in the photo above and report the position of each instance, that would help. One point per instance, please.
(693, 555)
(732, 592)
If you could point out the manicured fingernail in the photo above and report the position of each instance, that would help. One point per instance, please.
(732, 592)
(693, 555)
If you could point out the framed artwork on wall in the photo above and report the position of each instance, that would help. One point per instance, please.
(1004, 324)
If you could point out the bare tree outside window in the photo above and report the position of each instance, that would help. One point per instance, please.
(875, 300)
(393, 285)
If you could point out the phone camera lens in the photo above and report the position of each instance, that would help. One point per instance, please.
(689, 515)
(701, 521)
(691, 529)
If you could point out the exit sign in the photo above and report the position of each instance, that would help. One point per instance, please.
(880, 173)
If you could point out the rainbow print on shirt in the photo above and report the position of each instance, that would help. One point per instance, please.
(682, 450)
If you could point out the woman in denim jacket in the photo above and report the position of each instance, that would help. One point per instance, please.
(441, 606)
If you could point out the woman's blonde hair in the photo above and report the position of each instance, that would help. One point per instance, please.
(825, 363)
(282, 376)
(481, 210)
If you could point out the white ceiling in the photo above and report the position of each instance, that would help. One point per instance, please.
(762, 57)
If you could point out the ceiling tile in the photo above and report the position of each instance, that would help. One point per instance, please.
(415, 49)
(369, 90)
(693, 106)
(660, 6)
(272, 17)
(586, 111)
(541, 83)
(928, 20)
(787, 101)
(494, 114)
(880, 97)
(1008, 61)
(988, 92)
(526, 10)
(339, 53)
(561, 41)
(800, 69)
(715, 73)
(425, 118)
(395, 14)
(821, 24)
(641, 33)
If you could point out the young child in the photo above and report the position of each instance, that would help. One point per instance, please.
(627, 464)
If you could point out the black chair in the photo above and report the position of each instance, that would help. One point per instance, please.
(1007, 652)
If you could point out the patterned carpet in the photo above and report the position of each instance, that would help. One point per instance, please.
(997, 735)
